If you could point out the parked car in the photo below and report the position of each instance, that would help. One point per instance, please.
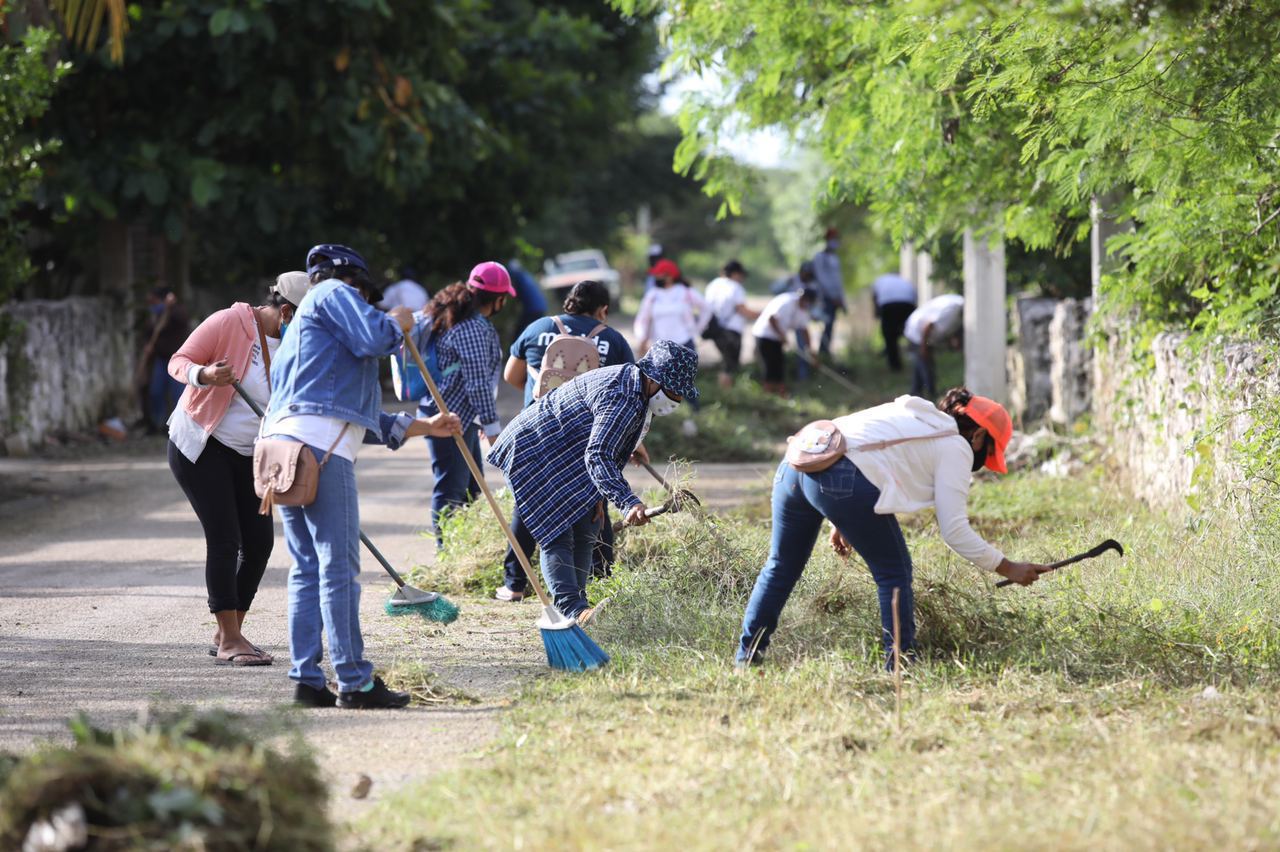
(568, 269)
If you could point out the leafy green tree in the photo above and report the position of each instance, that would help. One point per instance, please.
(27, 79)
(946, 113)
(420, 132)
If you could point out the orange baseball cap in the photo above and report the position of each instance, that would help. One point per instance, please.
(999, 425)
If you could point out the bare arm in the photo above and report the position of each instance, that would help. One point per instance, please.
(747, 313)
(516, 372)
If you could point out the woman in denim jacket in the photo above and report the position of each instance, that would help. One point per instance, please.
(326, 395)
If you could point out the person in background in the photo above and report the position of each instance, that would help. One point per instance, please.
(470, 361)
(211, 435)
(826, 269)
(894, 298)
(802, 279)
(533, 304)
(786, 313)
(405, 293)
(563, 456)
(167, 328)
(325, 394)
(727, 305)
(671, 310)
(655, 255)
(929, 326)
(585, 310)
(903, 456)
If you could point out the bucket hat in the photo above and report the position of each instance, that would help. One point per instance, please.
(673, 367)
(491, 277)
(999, 425)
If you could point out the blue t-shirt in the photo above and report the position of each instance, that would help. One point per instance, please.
(534, 340)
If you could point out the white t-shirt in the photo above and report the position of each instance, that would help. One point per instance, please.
(891, 288)
(238, 428)
(406, 293)
(724, 297)
(672, 313)
(321, 432)
(944, 312)
(786, 309)
(914, 475)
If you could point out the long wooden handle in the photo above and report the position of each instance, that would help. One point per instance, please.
(654, 473)
(477, 473)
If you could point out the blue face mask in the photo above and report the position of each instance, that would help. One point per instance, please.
(284, 326)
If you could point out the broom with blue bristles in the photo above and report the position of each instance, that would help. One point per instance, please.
(568, 646)
(407, 600)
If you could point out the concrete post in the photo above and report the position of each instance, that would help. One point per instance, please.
(924, 279)
(907, 261)
(1104, 228)
(985, 320)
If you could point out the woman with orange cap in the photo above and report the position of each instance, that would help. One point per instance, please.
(902, 456)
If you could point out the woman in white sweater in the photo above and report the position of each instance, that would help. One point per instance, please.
(902, 456)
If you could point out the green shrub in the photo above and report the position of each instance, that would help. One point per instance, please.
(178, 780)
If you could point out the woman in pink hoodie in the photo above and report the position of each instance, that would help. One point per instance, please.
(211, 436)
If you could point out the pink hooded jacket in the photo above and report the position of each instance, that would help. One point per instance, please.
(228, 334)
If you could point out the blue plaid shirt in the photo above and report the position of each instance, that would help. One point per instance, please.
(469, 391)
(568, 448)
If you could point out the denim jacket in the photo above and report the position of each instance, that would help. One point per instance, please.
(327, 364)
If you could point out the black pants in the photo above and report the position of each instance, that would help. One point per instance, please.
(237, 539)
(602, 554)
(893, 319)
(729, 344)
(774, 365)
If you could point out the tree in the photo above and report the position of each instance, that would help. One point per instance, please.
(945, 113)
(421, 133)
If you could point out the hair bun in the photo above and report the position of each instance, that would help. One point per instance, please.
(955, 399)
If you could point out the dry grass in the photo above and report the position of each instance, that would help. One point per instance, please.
(1072, 715)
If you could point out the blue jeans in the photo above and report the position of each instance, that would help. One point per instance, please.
(324, 592)
(802, 362)
(454, 485)
(922, 374)
(162, 392)
(845, 497)
(566, 564)
(828, 312)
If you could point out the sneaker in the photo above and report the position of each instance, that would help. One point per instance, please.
(378, 698)
(309, 696)
(509, 595)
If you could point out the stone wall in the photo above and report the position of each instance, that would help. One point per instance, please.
(1049, 362)
(64, 366)
(1070, 362)
(1170, 429)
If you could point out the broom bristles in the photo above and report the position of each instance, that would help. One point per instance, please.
(440, 610)
(571, 649)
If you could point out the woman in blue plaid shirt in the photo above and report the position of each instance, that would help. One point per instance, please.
(565, 452)
(470, 361)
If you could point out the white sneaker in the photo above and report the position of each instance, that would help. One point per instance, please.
(505, 594)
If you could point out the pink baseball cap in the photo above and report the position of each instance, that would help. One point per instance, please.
(492, 277)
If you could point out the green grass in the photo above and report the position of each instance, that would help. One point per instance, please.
(744, 423)
(1068, 715)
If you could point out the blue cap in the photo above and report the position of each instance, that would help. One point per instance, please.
(673, 367)
(327, 256)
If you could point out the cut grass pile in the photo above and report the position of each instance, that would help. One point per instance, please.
(1123, 703)
(177, 780)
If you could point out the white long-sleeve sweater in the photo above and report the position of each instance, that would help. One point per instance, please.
(915, 475)
(676, 313)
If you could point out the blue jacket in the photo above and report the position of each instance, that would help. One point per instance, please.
(327, 363)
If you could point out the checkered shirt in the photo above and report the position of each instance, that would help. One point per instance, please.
(470, 392)
(568, 448)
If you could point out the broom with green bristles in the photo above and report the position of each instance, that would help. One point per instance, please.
(567, 644)
(407, 600)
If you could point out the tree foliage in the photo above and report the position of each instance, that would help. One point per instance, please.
(945, 113)
(27, 79)
(420, 132)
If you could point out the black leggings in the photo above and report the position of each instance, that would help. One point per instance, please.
(770, 352)
(237, 539)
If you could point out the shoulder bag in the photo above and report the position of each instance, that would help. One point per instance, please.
(821, 444)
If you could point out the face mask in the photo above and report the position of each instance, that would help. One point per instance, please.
(832, 245)
(980, 457)
(284, 326)
(661, 405)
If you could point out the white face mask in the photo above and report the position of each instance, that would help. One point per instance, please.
(660, 405)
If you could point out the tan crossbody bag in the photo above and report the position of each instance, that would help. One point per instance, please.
(286, 473)
(821, 444)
